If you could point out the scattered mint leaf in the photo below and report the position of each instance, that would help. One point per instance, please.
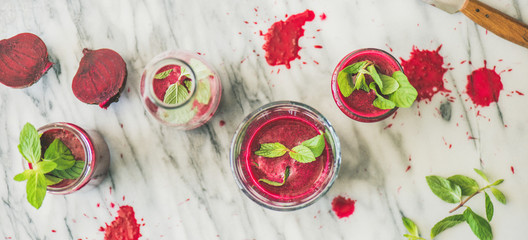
(479, 172)
(343, 82)
(51, 180)
(444, 189)
(302, 154)
(59, 153)
(375, 76)
(29, 145)
(163, 75)
(498, 195)
(410, 226)
(36, 189)
(271, 150)
(381, 102)
(489, 207)
(478, 225)
(315, 144)
(45, 166)
(176, 94)
(467, 185)
(390, 84)
(277, 184)
(24, 175)
(498, 182)
(446, 223)
(203, 93)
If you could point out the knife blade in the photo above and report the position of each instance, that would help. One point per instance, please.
(490, 18)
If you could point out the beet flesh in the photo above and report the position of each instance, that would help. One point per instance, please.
(101, 77)
(23, 60)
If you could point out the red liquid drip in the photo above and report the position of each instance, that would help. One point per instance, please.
(425, 72)
(484, 86)
(282, 39)
(343, 207)
(305, 178)
(124, 227)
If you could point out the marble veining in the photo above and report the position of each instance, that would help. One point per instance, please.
(179, 182)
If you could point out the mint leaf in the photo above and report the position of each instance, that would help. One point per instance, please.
(29, 145)
(184, 72)
(361, 82)
(343, 82)
(446, 223)
(479, 172)
(45, 166)
(203, 93)
(315, 144)
(180, 115)
(374, 74)
(390, 84)
(478, 225)
(71, 173)
(444, 189)
(498, 182)
(302, 154)
(277, 184)
(355, 67)
(489, 207)
(176, 94)
(410, 226)
(163, 75)
(201, 71)
(51, 180)
(24, 175)
(36, 189)
(59, 153)
(271, 150)
(406, 94)
(467, 185)
(381, 102)
(498, 195)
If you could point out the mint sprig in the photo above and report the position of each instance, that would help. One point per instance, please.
(306, 152)
(399, 92)
(57, 157)
(452, 190)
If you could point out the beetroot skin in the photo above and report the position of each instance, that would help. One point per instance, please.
(23, 60)
(101, 77)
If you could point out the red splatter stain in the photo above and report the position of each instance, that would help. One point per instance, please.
(512, 169)
(112, 205)
(121, 125)
(520, 93)
(387, 45)
(316, 62)
(343, 207)
(123, 197)
(98, 205)
(124, 227)
(221, 123)
(282, 39)
(484, 86)
(53, 231)
(388, 126)
(408, 168)
(110, 190)
(322, 16)
(425, 72)
(318, 46)
(463, 62)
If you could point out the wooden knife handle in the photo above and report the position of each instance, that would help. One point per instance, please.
(497, 22)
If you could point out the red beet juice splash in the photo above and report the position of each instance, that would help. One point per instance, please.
(343, 207)
(425, 72)
(124, 227)
(282, 39)
(484, 86)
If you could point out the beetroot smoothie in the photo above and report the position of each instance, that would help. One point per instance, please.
(290, 124)
(304, 178)
(358, 105)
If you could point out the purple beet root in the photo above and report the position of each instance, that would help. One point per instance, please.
(23, 60)
(101, 77)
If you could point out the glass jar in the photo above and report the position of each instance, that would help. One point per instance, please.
(358, 105)
(88, 146)
(200, 82)
(289, 123)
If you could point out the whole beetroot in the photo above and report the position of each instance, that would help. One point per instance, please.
(101, 77)
(23, 60)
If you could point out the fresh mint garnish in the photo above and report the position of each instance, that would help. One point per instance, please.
(396, 88)
(163, 75)
(176, 94)
(410, 226)
(306, 152)
(452, 190)
(277, 184)
(57, 158)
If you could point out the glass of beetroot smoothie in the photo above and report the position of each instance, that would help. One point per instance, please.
(87, 146)
(180, 89)
(301, 183)
(358, 105)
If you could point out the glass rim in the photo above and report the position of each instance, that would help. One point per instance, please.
(238, 137)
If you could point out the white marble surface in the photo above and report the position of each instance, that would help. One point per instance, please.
(180, 184)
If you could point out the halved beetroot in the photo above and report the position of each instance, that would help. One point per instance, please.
(101, 77)
(23, 60)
